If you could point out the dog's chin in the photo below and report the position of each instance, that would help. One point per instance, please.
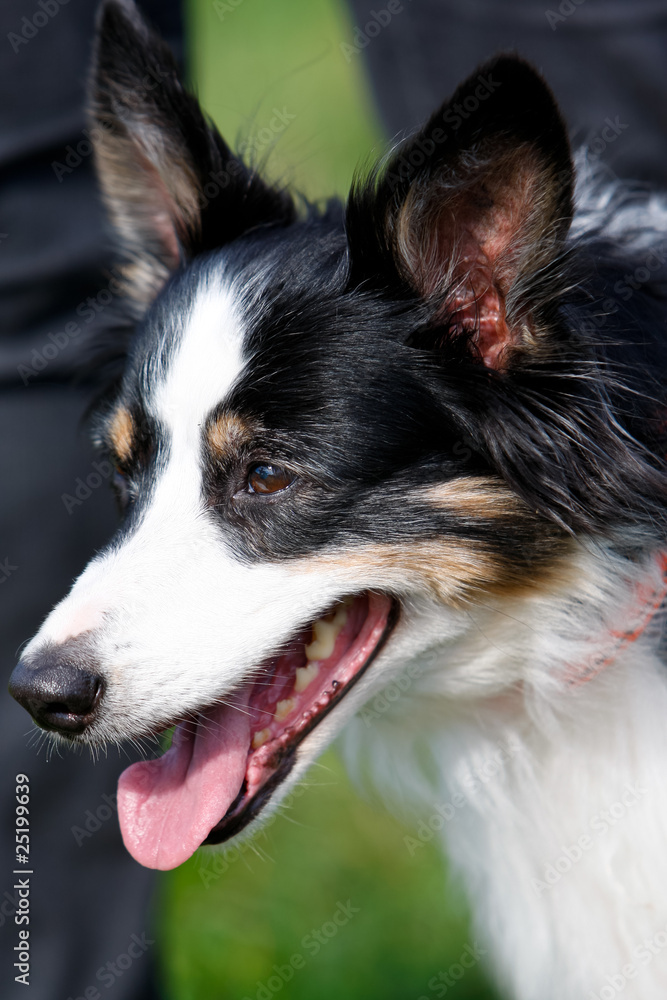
(227, 761)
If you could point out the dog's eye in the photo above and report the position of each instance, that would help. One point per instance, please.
(269, 479)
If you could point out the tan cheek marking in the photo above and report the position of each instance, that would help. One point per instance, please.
(450, 569)
(121, 434)
(475, 497)
(453, 571)
(227, 434)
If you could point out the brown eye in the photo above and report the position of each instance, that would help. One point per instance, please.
(268, 479)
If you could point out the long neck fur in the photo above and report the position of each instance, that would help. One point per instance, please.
(546, 769)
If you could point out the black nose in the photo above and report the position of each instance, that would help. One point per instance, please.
(59, 687)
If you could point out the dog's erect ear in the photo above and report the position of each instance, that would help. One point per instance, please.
(466, 212)
(171, 184)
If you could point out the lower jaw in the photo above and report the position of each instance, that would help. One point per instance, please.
(246, 808)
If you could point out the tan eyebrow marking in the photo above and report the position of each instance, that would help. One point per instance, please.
(122, 433)
(226, 434)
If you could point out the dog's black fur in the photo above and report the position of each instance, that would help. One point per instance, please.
(345, 335)
(441, 402)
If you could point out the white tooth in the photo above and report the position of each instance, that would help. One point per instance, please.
(283, 709)
(323, 642)
(304, 676)
(260, 738)
(325, 634)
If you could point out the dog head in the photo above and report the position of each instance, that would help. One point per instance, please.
(335, 431)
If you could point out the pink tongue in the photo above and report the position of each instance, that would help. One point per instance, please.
(167, 807)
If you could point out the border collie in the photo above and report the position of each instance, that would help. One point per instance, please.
(411, 444)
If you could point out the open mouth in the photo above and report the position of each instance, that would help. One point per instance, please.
(224, 764)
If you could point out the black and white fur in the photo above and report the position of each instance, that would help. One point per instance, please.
(468, 394)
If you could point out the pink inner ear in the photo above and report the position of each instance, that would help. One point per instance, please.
(477, 303)
(479, 306)
(474, 240)
(160, 212)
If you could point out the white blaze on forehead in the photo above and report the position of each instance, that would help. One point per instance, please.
(178, 620)
(206, 363)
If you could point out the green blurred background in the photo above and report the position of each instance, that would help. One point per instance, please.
(225, 923)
